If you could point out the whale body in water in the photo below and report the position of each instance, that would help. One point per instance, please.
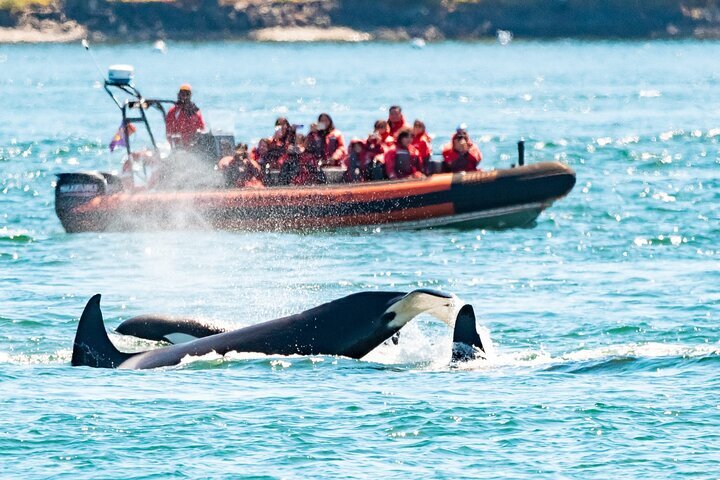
(351, 326)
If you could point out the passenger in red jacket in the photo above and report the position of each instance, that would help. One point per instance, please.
(374, 155)
(241, 170)
(461, 155)
(356, 162)
(335, 152)
(463, 129)
(258, 152)
(403, 160)
(310, 169)
(382, 130)
(183, 120)
(301, 165)
(422, 141)
(396, 121)
(277, 145)
(376, 145)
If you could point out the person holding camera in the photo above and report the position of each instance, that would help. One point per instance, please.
(240, 170)
(461, 155)
(271, 152)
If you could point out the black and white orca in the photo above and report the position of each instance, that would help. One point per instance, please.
(351, 326)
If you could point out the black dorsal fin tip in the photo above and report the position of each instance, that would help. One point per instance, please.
(92, 346)
(465, 336)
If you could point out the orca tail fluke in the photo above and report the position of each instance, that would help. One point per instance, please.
(92, 346)
(467, 344)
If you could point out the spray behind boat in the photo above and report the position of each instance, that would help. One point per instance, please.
(196, 165)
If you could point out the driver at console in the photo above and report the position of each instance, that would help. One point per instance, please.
(183, 120)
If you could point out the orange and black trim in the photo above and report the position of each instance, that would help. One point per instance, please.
(442, 196)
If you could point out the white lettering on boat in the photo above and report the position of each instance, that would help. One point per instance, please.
(79, 189)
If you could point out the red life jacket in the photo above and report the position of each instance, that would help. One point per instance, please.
(401, 163)
(241, 172)
(314, 145)
(355, 162)
(251, 175)
(395, 127)
(454, 162)
(308, 171)
(335, 151)
(276, 152)
(183, 122)
(423, 143)
(373, 149)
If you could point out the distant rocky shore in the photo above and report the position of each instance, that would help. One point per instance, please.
(357, 20)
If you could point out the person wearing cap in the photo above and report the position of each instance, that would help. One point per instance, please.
(463, 129)
(183, 120)
(461, 155)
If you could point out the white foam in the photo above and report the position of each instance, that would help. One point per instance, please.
(59, 357)
(423, 345)
(208, 357)
(532, 358)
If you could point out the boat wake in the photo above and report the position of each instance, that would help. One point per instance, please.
(635, 357)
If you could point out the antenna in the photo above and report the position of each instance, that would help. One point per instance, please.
(86, 45)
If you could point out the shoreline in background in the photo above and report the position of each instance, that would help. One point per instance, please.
(356, 20)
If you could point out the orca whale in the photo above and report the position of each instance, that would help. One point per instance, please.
(351, 326)
(467, 342)
(164, 328)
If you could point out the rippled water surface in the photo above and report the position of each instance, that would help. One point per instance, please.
(604, 316)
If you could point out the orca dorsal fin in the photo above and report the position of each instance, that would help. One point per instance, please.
(466, 340)
(92, 346)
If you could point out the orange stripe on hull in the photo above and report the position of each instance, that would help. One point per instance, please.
(467, 196)
(271, 197)
(406, 215)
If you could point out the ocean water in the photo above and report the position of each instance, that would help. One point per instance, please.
(605, 316)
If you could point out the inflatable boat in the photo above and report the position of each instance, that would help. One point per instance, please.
(495, 199)
(97, 201)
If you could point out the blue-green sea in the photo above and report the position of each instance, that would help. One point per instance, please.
(605, 316)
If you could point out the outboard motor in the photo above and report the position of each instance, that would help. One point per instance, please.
(74, 189)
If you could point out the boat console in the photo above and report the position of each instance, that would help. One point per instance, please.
(207, 149)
